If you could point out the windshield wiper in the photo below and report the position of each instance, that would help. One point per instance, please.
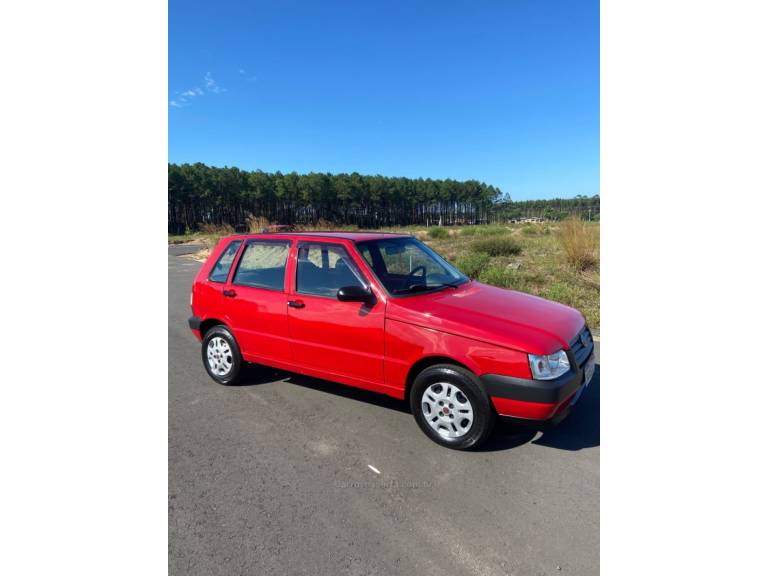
(423, 287)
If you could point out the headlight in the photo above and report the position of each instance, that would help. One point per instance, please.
(549, 367)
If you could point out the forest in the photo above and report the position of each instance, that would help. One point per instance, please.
(199, 194)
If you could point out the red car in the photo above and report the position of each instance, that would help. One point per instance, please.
(386, 313)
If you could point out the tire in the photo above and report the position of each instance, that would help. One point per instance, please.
(221, 355)
(463, 424)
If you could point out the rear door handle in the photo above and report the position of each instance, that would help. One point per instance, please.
(229, 293)
(295, 303)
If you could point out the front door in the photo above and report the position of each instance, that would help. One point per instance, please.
(256, 301)
(344, 340)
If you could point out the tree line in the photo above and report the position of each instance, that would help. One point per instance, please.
(199, 194)
(585, 207)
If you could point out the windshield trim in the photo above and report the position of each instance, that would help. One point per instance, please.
(463, 280)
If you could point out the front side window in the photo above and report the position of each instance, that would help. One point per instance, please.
(406, 266)
(220, 271)
(321, 269)
(262, 265)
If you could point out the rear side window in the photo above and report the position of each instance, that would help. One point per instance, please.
(224, 263)
(322, 269)
(262, 265)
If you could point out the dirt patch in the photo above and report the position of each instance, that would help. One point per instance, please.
(200, 255)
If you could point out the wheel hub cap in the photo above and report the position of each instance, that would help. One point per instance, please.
(219, 356)
(447, 410)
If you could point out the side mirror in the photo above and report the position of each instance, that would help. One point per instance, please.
(356, 294)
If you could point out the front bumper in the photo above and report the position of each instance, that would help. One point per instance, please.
(538, 401)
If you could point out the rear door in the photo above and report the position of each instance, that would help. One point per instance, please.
(208, 290)
(256, 301)
(340, 339)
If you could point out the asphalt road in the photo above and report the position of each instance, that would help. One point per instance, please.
(273, 477)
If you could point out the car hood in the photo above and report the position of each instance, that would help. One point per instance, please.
(495, 315)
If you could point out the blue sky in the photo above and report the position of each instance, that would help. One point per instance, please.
(503, 92)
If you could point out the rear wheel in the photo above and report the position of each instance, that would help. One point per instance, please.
(221, 355)
(451, 407)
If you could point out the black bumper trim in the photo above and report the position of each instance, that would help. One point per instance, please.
(562, 413)
(544, 391)
(540, 424)
(194, 322)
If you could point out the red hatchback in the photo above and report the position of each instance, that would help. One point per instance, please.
(386, 313)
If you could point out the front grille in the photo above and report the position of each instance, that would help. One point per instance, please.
(582, 349)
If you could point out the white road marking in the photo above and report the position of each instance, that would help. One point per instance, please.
(374, 469)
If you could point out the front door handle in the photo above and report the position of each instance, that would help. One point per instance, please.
(229, 293)
(295, 303)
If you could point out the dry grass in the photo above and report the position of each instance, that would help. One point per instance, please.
(256, 223)
(200, 255)
(216, 230)
(579, 242)
(483, 231)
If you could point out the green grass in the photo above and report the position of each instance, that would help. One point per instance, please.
(473, 263)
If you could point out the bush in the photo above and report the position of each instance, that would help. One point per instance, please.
(437, 232)
(579, 243)
(497, 246)
(473, 263)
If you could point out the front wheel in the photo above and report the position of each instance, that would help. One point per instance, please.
(451, 407)
(221, 355)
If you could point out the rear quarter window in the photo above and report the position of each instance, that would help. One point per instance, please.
(220, 271)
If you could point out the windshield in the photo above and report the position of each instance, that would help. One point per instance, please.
(406, 266)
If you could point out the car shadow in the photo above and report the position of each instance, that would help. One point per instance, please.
(256, 375)
(581, 429)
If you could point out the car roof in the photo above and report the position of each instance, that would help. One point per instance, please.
(353, 236)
